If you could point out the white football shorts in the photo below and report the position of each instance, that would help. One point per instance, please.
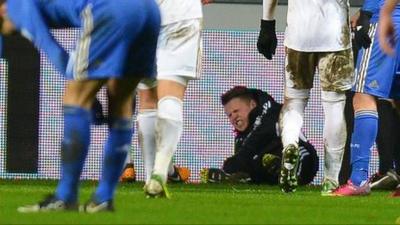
(179, 53)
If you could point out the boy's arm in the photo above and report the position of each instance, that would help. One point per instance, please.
(267, 40)
(386, 28)
(269, 9)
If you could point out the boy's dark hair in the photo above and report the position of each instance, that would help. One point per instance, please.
(237, 92)
(2, 1)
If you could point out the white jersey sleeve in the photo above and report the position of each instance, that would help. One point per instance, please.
(177, 10)
(318, 25)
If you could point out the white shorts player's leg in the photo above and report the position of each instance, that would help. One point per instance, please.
(334, 134)
(148, 115)
(169, 127)
(292, 113)
(147, 139)
(178, 61)
(146, 120)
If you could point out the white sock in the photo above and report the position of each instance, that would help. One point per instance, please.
(169, 128)
(291, 123)
(147, 139)
(291, 116)
(335, 133)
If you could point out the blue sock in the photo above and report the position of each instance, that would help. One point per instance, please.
(362, 140)
(116, 149)
(73, 151)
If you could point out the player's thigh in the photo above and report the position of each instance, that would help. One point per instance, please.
(120, 96)
(362, 101)
(299, 69)
(336, 70)
(151, 90)
(171, 88)
(179, 50)
(147, 91)
(81, 92)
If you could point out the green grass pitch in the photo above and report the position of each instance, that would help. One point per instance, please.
(205, 204)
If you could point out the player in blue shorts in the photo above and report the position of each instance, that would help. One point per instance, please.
(116, 49)
(376, 77)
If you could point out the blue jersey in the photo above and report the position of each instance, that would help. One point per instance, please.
(109, 32)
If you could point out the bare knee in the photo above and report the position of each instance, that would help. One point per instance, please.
(170, 88)
(82, 93)
(364, 102)
(147, 99)
(120, 95)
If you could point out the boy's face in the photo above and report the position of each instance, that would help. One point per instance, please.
(238, 110)
(6, 26)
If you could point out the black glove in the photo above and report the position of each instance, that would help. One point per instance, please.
(267, 41)
(361, 37)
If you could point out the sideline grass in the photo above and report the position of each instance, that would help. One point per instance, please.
(205, 204)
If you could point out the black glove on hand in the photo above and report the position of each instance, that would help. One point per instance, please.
(267, 41)
(361, 36)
